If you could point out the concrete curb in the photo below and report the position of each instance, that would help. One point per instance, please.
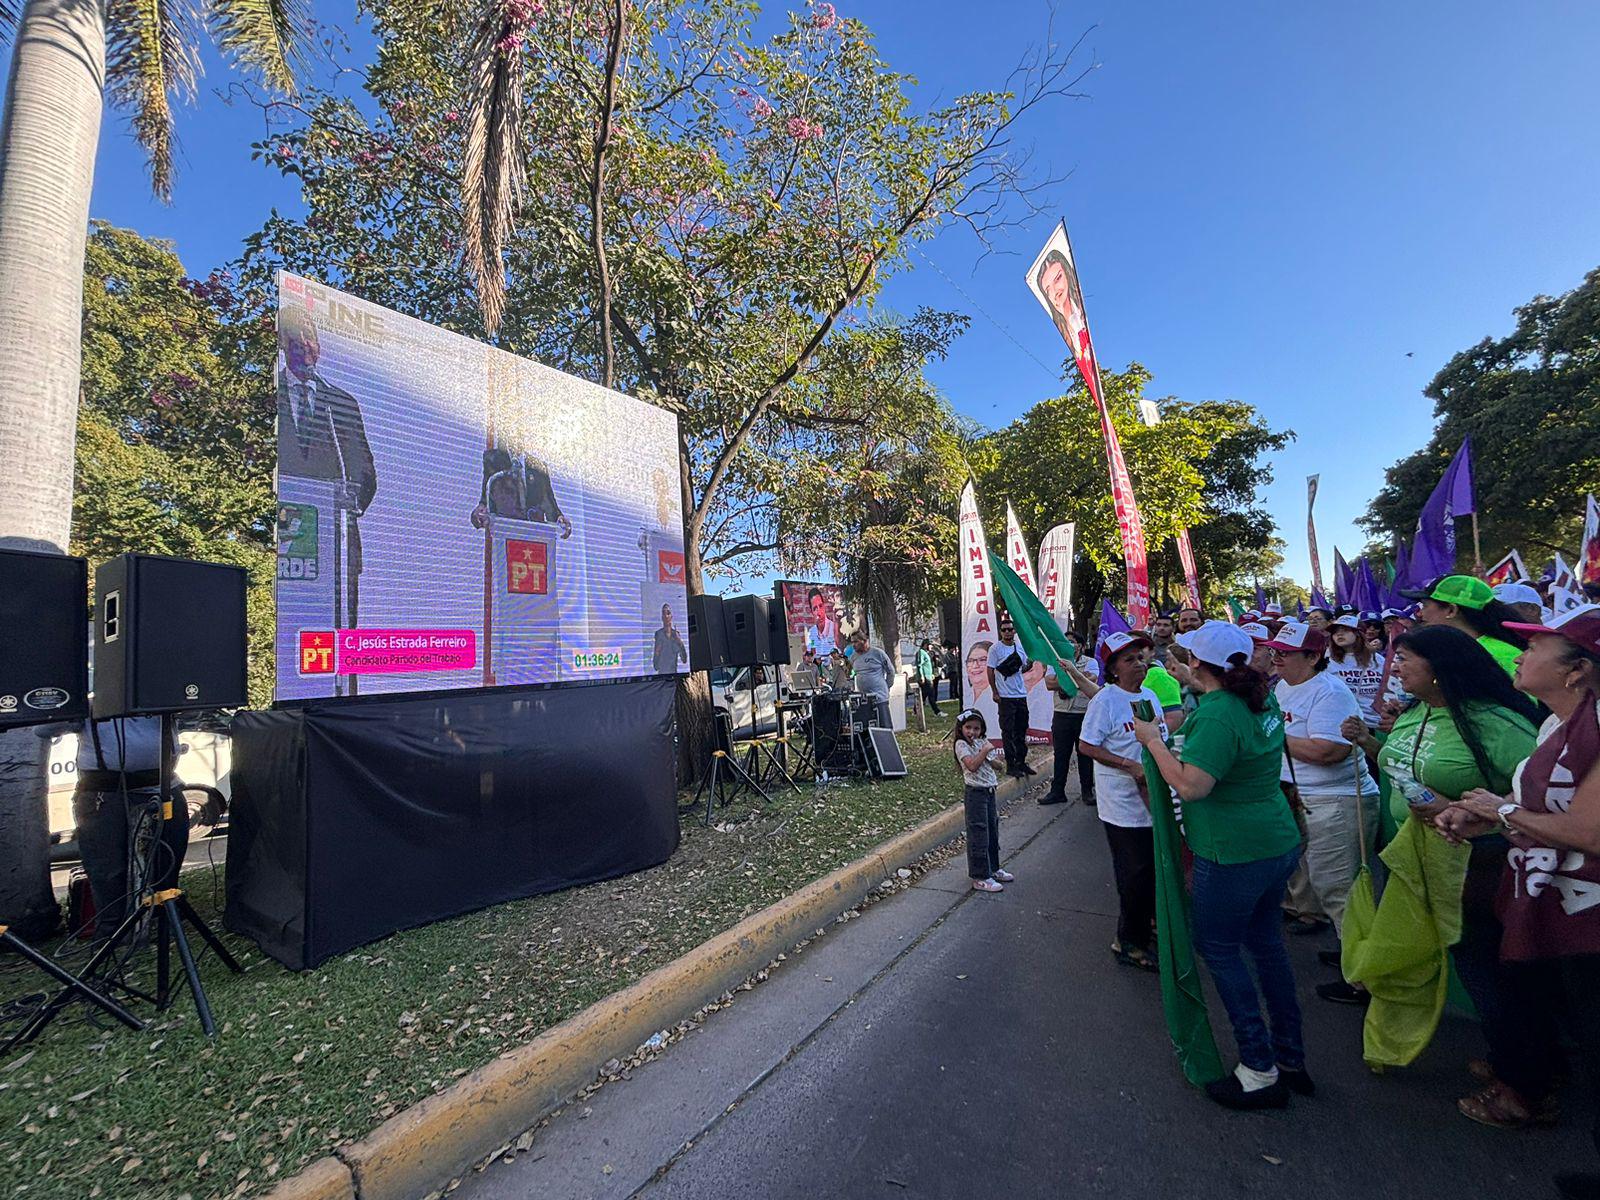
(422, 1148)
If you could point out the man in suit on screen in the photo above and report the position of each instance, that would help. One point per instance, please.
(321, 436)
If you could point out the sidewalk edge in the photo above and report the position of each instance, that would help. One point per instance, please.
(425, 1146)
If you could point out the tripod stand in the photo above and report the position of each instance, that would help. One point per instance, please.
(170, 910)
(724, 773)
(72, 986)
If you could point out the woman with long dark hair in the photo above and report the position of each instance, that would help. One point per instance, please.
(1246, 844)
(1550, 951)
(1467, 603)
(1468, 729)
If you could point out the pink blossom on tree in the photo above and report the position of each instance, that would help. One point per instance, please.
(824, 17)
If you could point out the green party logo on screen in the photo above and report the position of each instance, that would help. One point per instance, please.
(297, 541)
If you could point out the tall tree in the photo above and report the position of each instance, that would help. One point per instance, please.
(1530, 401)
(49, 130)
(1200, 469)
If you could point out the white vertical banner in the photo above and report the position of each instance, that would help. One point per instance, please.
(1055, 572)
(977, 613)
(1017, 556)
(1589, 555)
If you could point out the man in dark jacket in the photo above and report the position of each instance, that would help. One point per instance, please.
(321, 436)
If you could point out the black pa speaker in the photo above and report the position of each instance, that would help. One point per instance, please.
(950, 621)
(777, 633)
(169, 635)
(749, 643)
(44, 647)
(708, 642)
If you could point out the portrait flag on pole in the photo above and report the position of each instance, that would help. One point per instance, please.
(1053, 279)
(1191, 573)
(1017, 556)
(1311, 530)
(1589, 555)
(1055, 572)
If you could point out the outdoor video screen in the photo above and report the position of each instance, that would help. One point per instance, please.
(816, 612)
(453, 516)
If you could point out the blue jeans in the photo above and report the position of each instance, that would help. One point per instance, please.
(1235, 909)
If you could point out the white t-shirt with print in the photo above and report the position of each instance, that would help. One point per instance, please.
(1013, 686)
(1078, 702)
(1316, 709)
(1108, 723)
(1365, 683)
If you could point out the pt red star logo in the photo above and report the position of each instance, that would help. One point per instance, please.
(316, 652)
(527, 568)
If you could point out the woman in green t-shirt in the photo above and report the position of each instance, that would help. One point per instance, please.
(1468, 729)
(1224, 769)
(1467, 603)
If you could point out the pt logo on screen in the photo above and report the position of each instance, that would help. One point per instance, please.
(316, 652)
(527, 568)
(669, 566)
(297, 541)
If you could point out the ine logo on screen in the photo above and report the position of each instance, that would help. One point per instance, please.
(527, 568)
(316, 652)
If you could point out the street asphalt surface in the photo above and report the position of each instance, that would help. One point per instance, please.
(951, 1044)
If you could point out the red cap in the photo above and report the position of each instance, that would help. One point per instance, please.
(1295, 638)
(1580, 626)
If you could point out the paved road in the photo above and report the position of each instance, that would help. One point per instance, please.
(949, 1044)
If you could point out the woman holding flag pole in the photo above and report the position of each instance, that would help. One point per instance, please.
(1223, 766)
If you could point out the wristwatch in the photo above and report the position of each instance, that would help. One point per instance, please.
(1505, 811)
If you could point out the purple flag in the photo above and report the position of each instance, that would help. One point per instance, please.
(1318, 600)
(1261, 598)
(1110, 622)
(1435, 551)
(1369, 597)
(1344, 579)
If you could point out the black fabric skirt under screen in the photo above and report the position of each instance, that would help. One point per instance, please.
(351, 821)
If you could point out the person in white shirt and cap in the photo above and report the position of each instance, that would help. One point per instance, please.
(1524, 599)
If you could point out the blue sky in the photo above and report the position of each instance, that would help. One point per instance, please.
(1270, 202)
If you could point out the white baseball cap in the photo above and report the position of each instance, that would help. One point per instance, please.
(1274, 609)
(1517, 593)
(1257, 631)
(1216, 642)
(1296, 635)
(1348, 621)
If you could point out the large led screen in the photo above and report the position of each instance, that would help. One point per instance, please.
(452, 516)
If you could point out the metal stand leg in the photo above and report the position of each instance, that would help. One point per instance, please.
(73, 986)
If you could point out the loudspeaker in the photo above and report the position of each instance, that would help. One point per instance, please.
(749, 643)
(777, 633)
(950, 621)
(708, 641)
(169, 635)
(44, 647)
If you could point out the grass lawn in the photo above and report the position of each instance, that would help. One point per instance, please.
(307, 1061)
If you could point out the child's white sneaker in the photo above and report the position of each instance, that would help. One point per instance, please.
(986, 885)
(1004, 876)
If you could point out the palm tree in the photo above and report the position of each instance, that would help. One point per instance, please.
(68, 54)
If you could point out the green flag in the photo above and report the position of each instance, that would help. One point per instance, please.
(1182, 999)
(1037, 630)
(1235, 609)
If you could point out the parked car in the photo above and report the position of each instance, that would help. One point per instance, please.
(204, 767)
(735, 690)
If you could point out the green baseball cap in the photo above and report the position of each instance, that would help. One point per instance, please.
(1464, 591)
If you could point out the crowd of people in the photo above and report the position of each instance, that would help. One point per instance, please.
(1424, 783)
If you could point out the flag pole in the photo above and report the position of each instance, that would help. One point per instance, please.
(1477, 550)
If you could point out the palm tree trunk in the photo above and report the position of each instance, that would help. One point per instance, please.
(48, 134)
